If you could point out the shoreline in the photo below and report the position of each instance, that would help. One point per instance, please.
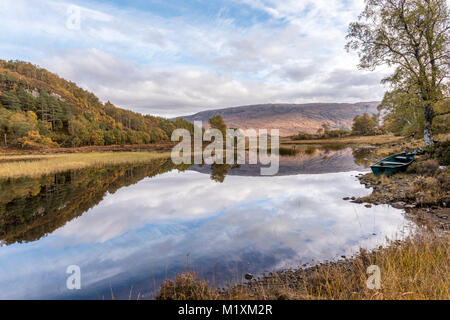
(160, 146)
(37, 165)
(326, 280)
(423, 256)
(413, 268)
(397, 192)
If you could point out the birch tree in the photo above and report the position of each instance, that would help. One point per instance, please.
(413, 37)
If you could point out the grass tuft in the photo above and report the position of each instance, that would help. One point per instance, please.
(187, 286)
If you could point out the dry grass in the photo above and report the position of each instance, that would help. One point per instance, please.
(417, 268)
(187, 286)
(37, 165)
(380, 139)
(423, 185)
(388, 141)
(158, 146)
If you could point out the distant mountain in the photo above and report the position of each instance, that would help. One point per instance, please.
(289, 118)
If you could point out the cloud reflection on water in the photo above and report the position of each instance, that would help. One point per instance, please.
(149, 228)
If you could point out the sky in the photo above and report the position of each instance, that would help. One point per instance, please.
(179, 57)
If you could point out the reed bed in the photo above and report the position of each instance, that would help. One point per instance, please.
(38, 165)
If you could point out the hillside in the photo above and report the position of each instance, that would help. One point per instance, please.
(289, 118)
(38, 108)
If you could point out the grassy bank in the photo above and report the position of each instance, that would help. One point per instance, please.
(351, 140)
(159, 146)
(15, 166)
(417, 268)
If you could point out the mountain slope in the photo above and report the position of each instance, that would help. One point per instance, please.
(289, 118)
(39, 108)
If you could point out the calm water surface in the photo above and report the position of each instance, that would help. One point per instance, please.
(128, 228)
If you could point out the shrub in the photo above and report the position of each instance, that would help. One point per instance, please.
(444, 179)
(287, 151)
(187, 286)
(426, 190)
(427, 167)
(304, 136)
(441, 152)
(33, 140)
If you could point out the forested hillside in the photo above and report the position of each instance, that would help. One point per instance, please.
(38, 108)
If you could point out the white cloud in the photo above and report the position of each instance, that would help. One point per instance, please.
(179, 65)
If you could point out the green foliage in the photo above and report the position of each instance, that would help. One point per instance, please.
(338, 133)
(219, 171)
(184, 124)
(441, 152)
(413, 37)
(304, 136)
(27, 101)
(10, 100)
(322, 133)
(365, 125)
(68, 115)
(217, 122)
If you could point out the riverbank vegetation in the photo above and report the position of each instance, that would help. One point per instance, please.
(417, 268)
(423, 190)
(363, 125)
(347, 140)
(38, 165)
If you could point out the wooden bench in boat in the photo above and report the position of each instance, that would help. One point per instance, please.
(391, 163)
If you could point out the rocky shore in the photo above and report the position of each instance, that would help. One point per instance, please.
(429, 206)
(422, 192)
(416, 268)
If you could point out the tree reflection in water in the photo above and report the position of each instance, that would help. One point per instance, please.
(33, 208)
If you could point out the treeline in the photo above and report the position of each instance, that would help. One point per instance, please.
(403, 115)
(38, 108)
(398, 121)
(324, 132)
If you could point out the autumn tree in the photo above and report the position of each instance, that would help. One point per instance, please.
(20, 124)
(4, 124)
(364, 125)
(402, 117)
(412, 36)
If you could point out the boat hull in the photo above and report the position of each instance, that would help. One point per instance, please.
(393, 164)
(387, 171)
